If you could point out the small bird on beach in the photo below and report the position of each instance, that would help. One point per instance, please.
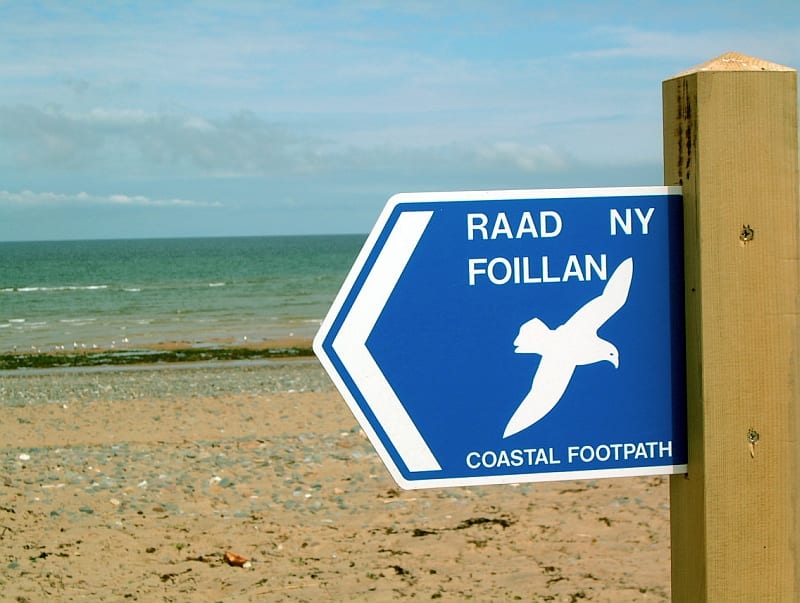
(575, 343)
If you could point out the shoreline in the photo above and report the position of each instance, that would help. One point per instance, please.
(161, 353)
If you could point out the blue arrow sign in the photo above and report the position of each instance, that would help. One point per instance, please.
(508, 336)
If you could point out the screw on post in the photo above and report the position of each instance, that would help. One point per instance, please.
(752, 440)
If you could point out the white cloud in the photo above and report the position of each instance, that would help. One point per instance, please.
(631, 43)
(141, 141)
(29, 198)
(103, 116)
(536, 158)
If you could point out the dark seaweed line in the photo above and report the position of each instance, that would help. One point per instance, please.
(33, 360)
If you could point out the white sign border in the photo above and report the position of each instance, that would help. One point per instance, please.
(356, 271)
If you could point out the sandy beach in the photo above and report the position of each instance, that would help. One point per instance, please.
(132, 484)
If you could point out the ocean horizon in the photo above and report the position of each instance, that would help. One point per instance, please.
(108, 294)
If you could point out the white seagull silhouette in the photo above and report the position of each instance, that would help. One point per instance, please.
(572, 344)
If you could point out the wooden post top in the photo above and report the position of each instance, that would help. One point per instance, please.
(733, 61)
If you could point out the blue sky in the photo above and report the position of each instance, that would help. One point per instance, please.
(154, 119)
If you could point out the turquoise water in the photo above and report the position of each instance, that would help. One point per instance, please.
(129, 293)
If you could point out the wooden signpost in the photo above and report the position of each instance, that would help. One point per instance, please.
(731, 141)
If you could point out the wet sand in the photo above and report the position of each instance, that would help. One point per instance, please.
(131, 485)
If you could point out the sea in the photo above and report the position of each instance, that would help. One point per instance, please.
(129, 294)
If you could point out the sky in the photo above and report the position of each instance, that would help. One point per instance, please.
(239, 118)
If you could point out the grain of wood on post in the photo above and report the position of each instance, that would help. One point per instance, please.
(730, 139)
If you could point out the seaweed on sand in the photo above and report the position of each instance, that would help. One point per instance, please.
(44, 360)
